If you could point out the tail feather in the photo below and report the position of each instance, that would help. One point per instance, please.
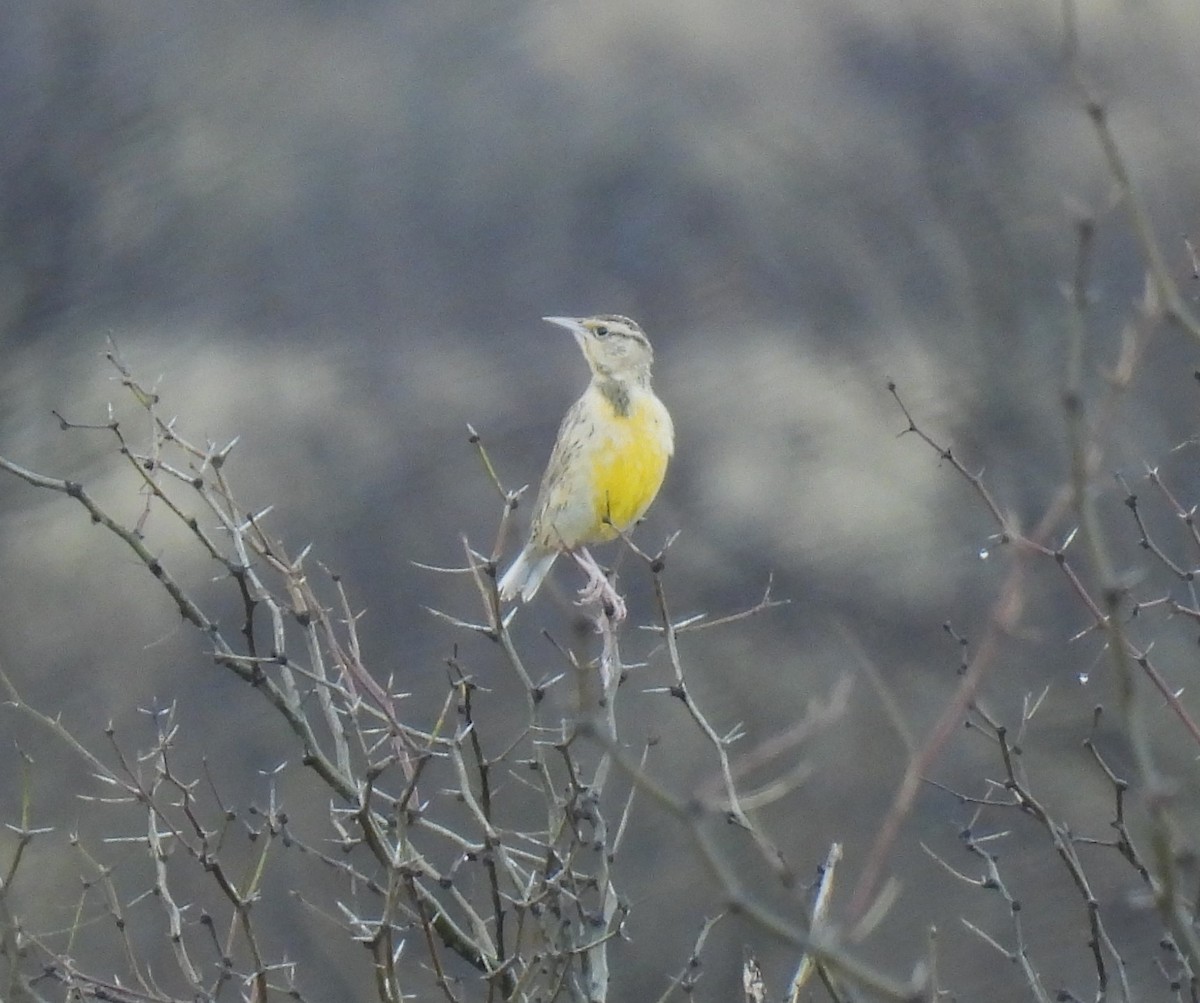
(524, 576)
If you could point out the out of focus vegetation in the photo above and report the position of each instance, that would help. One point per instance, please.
(329, 230)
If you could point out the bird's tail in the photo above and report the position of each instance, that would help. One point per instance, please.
(524, 576)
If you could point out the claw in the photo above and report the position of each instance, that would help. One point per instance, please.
(598, 590)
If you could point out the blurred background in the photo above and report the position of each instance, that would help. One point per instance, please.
(332, 228)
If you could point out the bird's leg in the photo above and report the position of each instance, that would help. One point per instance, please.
(598, 588)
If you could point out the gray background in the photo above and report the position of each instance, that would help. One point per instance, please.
(332, 228)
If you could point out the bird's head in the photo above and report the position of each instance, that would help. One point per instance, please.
(614, 346)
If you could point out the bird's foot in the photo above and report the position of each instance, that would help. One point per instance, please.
(598, 590)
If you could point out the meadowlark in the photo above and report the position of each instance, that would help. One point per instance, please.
(607, 464)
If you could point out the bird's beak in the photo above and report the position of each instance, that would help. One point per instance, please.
(572, 324)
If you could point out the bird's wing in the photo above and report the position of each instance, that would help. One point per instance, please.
(555, 492)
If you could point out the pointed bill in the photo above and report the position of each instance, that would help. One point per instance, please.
(572, 324)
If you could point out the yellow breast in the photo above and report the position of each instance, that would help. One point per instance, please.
(628, 458)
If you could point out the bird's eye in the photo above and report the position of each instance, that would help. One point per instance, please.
(600, 331)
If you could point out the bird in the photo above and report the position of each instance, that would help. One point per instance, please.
(607, 465)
